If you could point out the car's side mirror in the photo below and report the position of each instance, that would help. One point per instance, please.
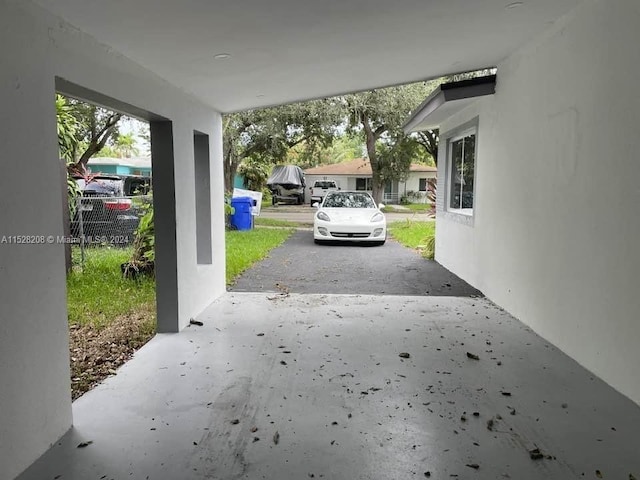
(381, 206)
(316, 205)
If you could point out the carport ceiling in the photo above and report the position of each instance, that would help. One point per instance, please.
(287, 50)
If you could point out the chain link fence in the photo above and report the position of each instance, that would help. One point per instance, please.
(105, 221)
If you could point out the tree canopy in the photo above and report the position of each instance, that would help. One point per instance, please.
(379, 114)
(267, 135)
(86, 130)
(96, 127)
(332, 130)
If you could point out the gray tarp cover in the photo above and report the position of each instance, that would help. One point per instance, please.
(286, 175)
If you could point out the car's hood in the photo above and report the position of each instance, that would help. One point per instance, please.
(350, 214)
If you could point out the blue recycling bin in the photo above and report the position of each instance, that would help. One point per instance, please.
(241, 217)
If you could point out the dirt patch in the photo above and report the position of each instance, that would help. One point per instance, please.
(97, 351)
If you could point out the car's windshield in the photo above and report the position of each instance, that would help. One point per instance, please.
(349, 200)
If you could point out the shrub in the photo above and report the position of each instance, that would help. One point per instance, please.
(430, 246)
(142, 260)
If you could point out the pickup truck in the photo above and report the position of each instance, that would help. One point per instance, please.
(320, 188)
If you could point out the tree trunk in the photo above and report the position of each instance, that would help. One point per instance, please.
(370, 140)
(428, 139)
(378, 191)
(377, 187)
(230, 170)
(66, 220)
(99, 140)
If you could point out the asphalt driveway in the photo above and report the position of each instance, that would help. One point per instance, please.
(301, 266)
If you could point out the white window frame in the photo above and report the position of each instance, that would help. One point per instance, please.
(470, 128)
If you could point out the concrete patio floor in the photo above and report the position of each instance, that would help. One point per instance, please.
(313, 386)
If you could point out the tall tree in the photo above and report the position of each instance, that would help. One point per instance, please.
(395, 154)
(255, 173)
(124, 145)
(267, 135)
(428, 140)
(96, 127)
(345, 146)
(379, 115)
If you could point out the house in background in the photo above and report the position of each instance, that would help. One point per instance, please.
(356, 175)
(121, 166)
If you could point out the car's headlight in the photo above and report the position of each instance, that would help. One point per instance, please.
(378, 217)
(323, 216)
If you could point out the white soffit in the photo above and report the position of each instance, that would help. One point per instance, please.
(240, 54)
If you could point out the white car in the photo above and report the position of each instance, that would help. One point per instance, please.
(349, 216)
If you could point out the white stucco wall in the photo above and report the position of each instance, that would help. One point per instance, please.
(412, 184)
(347, 182)
(351, 182)
(35, 402)
(556, 230)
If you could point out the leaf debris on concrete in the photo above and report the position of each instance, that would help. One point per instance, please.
(472, 356)
(490, 424)
(536, 454)
(276, 438)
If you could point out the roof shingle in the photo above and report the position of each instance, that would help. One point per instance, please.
(358, 166)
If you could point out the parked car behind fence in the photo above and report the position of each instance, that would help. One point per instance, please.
(109, 209)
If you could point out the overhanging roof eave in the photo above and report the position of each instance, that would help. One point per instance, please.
(448, 92)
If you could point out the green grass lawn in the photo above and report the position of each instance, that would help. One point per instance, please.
(418, 207)
(273, 222)
(244, 248)
(418, 235)
(98, 293)
(414, 207)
